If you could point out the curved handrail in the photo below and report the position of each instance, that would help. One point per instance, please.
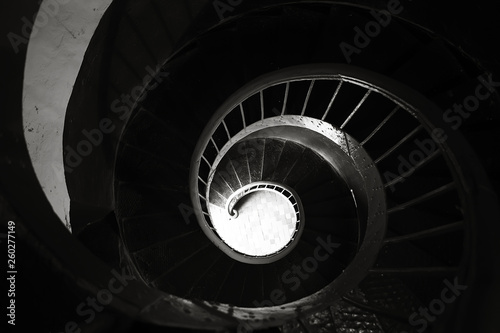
(288, 192)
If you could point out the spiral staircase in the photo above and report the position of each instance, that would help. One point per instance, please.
(294, 130)
(269, 183)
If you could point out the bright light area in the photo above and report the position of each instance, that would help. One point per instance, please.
(266, 222)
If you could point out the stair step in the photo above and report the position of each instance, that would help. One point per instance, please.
(240, 160)
(290, 158)
(343, 209)
(186, 275)
(344, 229)
(308, 164)
(293, 287)
(390, 295)
(102, 239)
(152, 133)
(242, 285)
(275, 150)
(168, 224)
(256, 162)
(329, 266)
(350, 318)
(154, 260)
(341, 254)
(313, 269)
(212, 279)
(313, 176)
(333, 190)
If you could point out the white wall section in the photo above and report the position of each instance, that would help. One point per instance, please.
(61, 34)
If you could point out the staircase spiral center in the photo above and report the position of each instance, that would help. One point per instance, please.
(261, 219)
(249, 140)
